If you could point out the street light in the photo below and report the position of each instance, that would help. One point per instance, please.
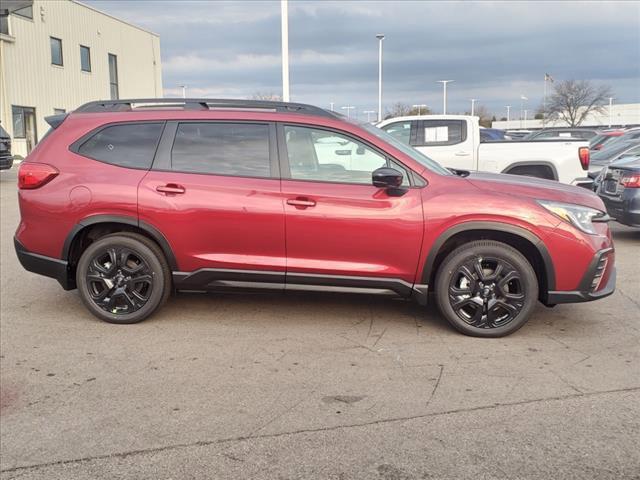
(610, 110)
(184, 90)
(508, 110)
(368, 112)
(284, 14)
(348, 108)
(419, 107)
(473, 104)
(380, 38)
(525, 118)
(522, 100)
(444, 94)
(331, 105)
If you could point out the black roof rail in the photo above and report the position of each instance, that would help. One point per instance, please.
(127, 105)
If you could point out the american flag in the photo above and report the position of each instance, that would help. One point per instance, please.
(548, 77)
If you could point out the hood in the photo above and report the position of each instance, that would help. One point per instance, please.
(534, 188)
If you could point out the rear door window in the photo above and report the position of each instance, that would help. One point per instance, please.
(131, 145)
(442, 132)
(236, 149)
(403, 131)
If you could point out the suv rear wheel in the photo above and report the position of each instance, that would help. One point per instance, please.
(486, 289)
(123, 278)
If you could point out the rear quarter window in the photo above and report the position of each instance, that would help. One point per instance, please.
(125, 145)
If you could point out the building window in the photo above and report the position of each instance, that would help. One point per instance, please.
(4, 24)
(56, 51)
(59, 111)
(26, 12)
(18, 122)
(113, 76)
(85, 58)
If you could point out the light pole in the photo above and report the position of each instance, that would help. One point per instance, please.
(284, 14)
(522, 100)
(331, 105)
(525, 118)
(369, 112)
(348, 108)
(184, 90)
(610, 111)
(380, 38)
(419, 107)
(508, 111)
(473, 104)
(444, 94)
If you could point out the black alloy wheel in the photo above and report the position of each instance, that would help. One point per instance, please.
(123, 278)
(486, 288)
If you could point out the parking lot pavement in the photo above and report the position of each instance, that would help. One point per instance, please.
(306, 386)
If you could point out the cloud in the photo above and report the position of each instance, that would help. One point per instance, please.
(494, 50)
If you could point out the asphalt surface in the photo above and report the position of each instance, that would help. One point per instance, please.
(313, 386)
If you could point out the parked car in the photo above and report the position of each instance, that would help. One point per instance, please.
(613, 152)
(554, 133)
(6, 159)
(599, 141)
(454, 142)
(619, 189)
(493, 134)
(127, 204)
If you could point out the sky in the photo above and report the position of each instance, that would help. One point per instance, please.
(494, 51)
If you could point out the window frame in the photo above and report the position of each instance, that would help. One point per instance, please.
(59, 40)
(163, 162)
(415, 180)
(422, 124)
(88, 57)
(75, 146)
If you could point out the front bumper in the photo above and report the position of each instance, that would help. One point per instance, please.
(595, 273)
(47, 266)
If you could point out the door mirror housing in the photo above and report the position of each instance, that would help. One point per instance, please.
(386, 177)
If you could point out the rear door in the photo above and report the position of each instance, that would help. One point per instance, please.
(340, 229)
(447, 141)
(214, 193)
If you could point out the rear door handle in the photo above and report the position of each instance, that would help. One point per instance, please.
(462, 154)
(171, 189)
(301, 202)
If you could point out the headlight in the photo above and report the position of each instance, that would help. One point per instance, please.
(577, 215)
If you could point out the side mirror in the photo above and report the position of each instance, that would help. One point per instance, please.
(386, 177)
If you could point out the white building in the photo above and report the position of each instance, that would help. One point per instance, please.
(621, 115)
(57, 55)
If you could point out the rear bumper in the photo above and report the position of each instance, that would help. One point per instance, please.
(47, 266)
(626, 208)
(585, 292)
(6, 162)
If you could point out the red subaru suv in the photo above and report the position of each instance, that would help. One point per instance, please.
(129, 200)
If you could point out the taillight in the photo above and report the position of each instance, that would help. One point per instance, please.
(34, 175)
(631, 180)
(583, 154)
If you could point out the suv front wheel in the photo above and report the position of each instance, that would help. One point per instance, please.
(486, 289)
(123, 278)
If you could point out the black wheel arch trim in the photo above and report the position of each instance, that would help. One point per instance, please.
(532, 163)
(133, 221)
(496, 227)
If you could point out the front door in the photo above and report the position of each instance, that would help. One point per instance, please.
(340, 229)
(214, 193)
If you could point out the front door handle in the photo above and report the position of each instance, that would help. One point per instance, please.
(462, 154)
(301, 202)
(171, 189)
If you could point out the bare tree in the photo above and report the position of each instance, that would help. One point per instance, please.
(483, 114)
(274, 97)
(573, 100)
(400, 109)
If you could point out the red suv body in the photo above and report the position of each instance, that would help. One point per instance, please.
(129, 203)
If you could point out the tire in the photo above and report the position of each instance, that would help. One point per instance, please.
(126, 290)
(480, 299)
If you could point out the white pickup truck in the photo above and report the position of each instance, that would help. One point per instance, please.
(454, 142)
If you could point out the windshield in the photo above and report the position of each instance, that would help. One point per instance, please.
(406, 149)
(610, 151)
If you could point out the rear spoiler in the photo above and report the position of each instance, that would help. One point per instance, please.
(56, 120)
